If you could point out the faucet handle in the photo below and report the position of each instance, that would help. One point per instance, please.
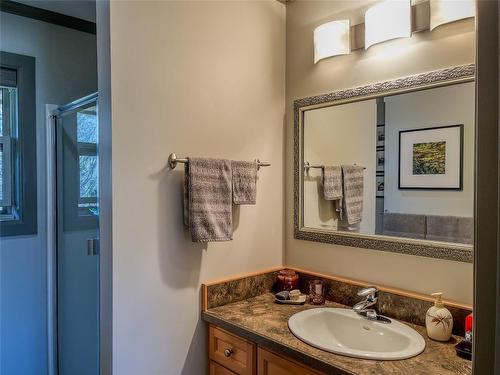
(369, 291)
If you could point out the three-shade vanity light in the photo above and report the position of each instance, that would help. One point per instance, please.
(389, 19)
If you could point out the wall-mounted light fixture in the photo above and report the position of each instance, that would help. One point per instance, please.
(387, 20)
(446, 11)
(332, 39)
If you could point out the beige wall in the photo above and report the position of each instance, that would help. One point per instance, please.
(446, 46)
(195, 78)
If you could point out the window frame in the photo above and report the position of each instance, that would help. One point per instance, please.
(23, 152)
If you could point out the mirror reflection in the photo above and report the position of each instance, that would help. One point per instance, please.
(400, 165)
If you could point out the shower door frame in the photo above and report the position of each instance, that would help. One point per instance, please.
(52, 112)
(50, 136)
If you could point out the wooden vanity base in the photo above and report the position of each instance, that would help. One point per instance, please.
(232, 355)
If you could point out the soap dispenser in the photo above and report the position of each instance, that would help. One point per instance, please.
(438, 320)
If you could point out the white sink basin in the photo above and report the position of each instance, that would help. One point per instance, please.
(342, 331)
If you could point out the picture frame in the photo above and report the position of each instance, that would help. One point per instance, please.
(380, 135)
(380, 159)
(379, 186)
(431, 158)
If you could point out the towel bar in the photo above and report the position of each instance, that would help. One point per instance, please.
(308, 166)
(173, 160)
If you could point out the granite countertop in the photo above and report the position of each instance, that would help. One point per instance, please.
(264, 322)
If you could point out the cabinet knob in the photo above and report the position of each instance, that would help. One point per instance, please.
(228, 352)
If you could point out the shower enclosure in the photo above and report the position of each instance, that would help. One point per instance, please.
(76, 234)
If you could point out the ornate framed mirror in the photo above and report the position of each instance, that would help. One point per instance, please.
(412, 140)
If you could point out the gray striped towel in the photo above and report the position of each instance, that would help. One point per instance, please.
(353, 192)
(332, 187)
(332, 183)
(244, 182)
(208, 199)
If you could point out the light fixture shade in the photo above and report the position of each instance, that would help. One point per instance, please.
(387, 20)
(331, 39)
(446, 11)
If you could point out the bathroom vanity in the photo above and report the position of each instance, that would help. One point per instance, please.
(249, 333)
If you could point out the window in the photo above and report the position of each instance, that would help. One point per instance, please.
(78, 164)
(18, 193)
(8, 131)
(87, 161)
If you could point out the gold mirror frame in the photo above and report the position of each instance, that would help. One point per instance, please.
(423, 81)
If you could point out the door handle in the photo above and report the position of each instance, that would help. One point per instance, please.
(92, 246)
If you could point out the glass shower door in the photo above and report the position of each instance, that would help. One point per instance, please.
(77, 238)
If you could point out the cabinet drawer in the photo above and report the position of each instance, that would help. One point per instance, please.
(272, 364)
(216, 369)
(232, 352)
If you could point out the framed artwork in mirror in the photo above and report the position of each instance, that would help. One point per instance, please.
(380, 186)
(431, 158)
(380, 135)
(380, 159)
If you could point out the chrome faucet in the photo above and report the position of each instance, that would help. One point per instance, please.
(361, 308)
(371, 294)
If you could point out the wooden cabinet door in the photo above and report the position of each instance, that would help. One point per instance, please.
(272, 364)
(232, 352)
(216, 369)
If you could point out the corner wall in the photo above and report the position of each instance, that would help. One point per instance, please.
(65, 63)
(197, 79)
(446, 46)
